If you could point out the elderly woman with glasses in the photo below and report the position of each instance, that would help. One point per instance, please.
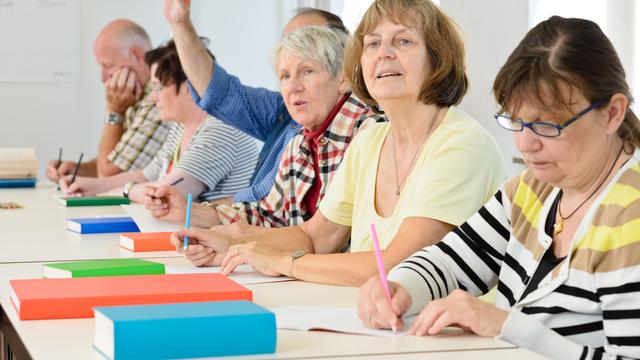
(562, 240)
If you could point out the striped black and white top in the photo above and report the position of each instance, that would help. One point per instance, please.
(220, 156)
(587, 307)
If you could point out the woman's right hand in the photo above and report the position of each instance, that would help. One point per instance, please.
(56, 171)
(374, 309)
(205, 247)
(176, 11)
(165, 203)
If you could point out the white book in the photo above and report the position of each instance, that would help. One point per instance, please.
(146, 222)
(243, 275)
(344, 320)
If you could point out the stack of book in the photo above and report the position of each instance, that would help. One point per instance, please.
(18, 167)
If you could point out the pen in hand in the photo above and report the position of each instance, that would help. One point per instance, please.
(187, 221)
(75, 172)
(381, 270)
(58, 166)
(59, 159)
(176, 182)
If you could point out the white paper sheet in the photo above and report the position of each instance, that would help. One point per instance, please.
(243, 275)
(343, 320)
(146, 222)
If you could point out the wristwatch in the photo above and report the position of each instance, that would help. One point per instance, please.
(114, 118)
(294, 256)
(127, 188)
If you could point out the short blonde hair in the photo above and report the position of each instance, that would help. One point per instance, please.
(319, 43)
(447, 83)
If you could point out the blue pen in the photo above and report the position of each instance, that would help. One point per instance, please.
(187, 221)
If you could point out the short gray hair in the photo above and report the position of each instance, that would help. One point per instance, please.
(319, 43)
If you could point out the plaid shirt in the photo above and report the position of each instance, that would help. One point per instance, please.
(143, 137)
(283, 206)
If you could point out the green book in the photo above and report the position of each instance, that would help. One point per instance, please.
(109, 267)
(93, 200)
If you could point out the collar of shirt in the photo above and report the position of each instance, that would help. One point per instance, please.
(339, 127)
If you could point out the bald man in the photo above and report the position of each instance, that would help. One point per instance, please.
(132, 132)
(225, 97)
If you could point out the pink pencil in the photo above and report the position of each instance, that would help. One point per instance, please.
(381, 271)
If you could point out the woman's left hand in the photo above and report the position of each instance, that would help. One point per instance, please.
(262, 258)
(461, 310)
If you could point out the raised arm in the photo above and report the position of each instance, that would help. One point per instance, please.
(196, 62)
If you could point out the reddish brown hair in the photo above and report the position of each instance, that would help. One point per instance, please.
(447, 83)
(559, 54)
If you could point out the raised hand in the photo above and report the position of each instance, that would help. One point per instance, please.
(176, 11)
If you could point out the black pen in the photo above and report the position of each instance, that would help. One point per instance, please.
(58, 165)
(176, 182)
(59, 159)
(75, 172)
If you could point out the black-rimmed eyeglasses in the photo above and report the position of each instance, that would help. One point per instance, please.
(540, 127)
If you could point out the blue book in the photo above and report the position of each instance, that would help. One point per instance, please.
(185, 330)
(18, 183)
(100, 225)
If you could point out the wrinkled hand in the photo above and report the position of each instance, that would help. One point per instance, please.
(461, 310)
(374, 309)
(205, 247)
(238, 229)
(55, 172)
(122, 90)
(262, 258)
(176, 11)
(84, 186)
(165, 203)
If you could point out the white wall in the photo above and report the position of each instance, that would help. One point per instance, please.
(242, 34)
(49, 115)
(491, 30)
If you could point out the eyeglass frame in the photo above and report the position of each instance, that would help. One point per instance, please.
(559, 127)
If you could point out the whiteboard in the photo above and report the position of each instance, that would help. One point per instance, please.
(39, 40)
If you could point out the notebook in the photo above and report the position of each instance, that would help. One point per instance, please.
(146, 241)
(223, 328)
(109, 267)
(76, 297)
(343, 320)
(92, 200)
(98, 225)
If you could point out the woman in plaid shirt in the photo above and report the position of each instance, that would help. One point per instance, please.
(308, 62)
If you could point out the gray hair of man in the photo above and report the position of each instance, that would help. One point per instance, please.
(319, 43)
(133, 35)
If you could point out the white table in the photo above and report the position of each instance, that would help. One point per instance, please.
(38, 232)
(73, 338)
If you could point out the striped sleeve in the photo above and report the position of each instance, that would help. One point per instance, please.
(552, 344)
(467, 258)
(221, 157)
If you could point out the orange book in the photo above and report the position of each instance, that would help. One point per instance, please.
(149, 241)
(76, 297)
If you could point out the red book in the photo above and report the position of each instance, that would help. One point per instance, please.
(149, 241)
(76, 297)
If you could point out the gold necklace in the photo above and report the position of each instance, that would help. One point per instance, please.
(415, 155)
(559, 224)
